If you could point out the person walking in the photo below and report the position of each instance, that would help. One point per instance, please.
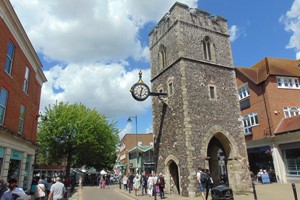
(125, 180)
(48, 186)
(150, 183)
(209, 183)
(144, 180)
(3, 187)
(202, 182)
(40, 191)
(136, 184)
(130, 180)
(58, 190)
(14, 191)
(161, 185)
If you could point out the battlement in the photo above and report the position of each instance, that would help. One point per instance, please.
(193, 16)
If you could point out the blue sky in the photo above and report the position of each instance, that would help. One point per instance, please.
(92, 50)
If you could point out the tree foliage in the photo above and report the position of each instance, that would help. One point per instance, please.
(77, 135)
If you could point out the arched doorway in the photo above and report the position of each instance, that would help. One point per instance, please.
(174, 177)
(218, 153)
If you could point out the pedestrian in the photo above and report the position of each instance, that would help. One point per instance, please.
(144, 180)
(136, 184)
(209, 183)
(3, 187)
(80, 182)
(40, 191)
(58, 190)
(150, 184)
(130, 180)
(161, 185)
(14, 191)
(48, 186)
(202, 179)
(125, 180)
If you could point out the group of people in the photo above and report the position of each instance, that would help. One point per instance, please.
(44, 190)
(205, 182)
(148, 184)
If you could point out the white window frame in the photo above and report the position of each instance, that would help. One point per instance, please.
(250, 120)
(3, 104)
(9, 58)
(21, 119)
(288, 82)
(26, 80)
(244, 91)
(291, 111)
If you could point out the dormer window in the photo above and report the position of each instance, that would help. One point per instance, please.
(288, 82)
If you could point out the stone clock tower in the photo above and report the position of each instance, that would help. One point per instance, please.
(198, 123)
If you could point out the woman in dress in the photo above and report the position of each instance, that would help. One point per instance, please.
(40, 191)
(136, 184)
(150, 184)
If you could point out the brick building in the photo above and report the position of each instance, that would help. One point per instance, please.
(198, 123)
(136, 153)
(21, 79)
(269, 94)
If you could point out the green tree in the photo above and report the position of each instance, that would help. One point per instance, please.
(78, 136)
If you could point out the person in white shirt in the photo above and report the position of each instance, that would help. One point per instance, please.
(150, 184)
(57, 190)
(40, 191)
(14, 191)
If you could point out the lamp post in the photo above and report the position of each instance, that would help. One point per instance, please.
(136, 130)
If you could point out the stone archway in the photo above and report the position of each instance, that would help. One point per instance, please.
(172, 175)
(174, 178)
(218, 157)
(221, 147)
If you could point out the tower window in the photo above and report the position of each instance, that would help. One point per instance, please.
(162, 56)
(170, 86)
(208, 49)
(212, 92)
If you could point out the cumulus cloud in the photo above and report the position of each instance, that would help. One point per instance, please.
(291, 20)
(94, 44)
(234, 33)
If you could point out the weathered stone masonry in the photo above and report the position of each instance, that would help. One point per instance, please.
(192, 126)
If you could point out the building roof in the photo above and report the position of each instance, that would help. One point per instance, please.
(288, 125)
(140, 149)
(259, 72)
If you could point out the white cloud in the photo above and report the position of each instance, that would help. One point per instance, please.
(291, 21)
(92, 42)
(234, 33)
(298, 55)
(104, 87)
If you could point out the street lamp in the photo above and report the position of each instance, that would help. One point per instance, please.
(136, 145)
(130, 120)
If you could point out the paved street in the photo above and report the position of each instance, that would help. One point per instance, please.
(264, 192)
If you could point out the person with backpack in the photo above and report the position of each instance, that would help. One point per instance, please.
(209, 183)
(202, 180)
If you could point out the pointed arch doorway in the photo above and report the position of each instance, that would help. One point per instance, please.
(174, 177)
(218, 152)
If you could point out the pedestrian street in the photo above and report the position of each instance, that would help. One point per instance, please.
(275, 191)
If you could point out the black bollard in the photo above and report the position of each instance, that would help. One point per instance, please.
(294, 190)
(254, 190)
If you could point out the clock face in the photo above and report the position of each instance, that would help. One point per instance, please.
(140, 91)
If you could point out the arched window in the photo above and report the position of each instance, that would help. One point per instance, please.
(208, 48)
(162, 56)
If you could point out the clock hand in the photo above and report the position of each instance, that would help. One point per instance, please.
(141, 92)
